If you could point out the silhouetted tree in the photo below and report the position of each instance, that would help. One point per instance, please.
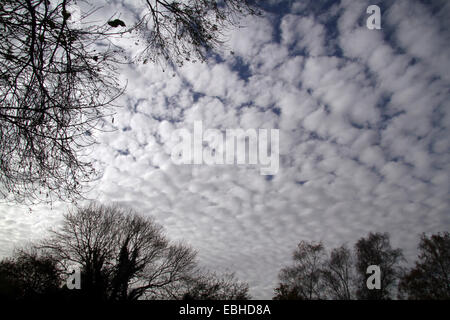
(122, 255)
(303, 279)
(55, 84)
(58, 78)
(429, 279)
(339, 274)
(287, 292)
(178, 31)
(211, 286)
(376, 249)
(28, 275)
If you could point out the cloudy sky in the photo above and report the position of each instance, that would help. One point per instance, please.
(364, 119)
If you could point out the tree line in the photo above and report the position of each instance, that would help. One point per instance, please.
(122, 255)
(342, 274)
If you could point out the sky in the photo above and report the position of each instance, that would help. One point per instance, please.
(363, 118)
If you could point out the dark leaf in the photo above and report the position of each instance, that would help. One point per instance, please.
(116, 23)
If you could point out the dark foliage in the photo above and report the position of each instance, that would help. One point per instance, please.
(28, 275)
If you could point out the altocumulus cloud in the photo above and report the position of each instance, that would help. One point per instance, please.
(364, 121)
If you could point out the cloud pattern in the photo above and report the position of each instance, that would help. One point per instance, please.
(364, 121)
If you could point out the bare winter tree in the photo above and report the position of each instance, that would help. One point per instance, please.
(212, 286)
(376, 249)
(179, 31)
(54, 86)
(429, 279)
(303, 280)
(122, 255)
(338, 274)
(58, 79)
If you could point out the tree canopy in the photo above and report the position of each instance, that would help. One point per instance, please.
(429, 279)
